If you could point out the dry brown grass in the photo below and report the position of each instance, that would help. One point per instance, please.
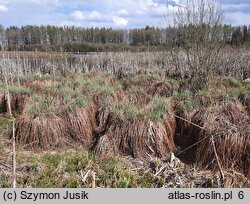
(2, 103)
(40, 85)
(133, 117)
(80, 124)
(103, 99)
(103, 147)
(17, 102)
(139, 99)
(228, 127)
(245, 99)
(162, 88)
(137, 137)
(142, 138)
(54, 130)
(44, 131)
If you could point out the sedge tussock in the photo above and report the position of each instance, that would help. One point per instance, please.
(227, 126)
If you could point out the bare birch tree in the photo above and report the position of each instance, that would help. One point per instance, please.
(196, 39)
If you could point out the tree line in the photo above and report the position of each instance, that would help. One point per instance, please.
(80, 39)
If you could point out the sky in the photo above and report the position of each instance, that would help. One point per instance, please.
(106, 13)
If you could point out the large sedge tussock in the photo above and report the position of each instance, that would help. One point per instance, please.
(136, 134)
(143, 138)
(135, 121)
(227, 126)
(79, 124)
(54, 130)
(44, 131)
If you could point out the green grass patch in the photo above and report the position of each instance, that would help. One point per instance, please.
(233, 93)
(186, 100)
(142, 78)
(158, 110)
(5, 181)
(129, 112)
(16, 90)
(134, 89)
(5, 121)
(31, 77)
(39, 104)
(78, 80)
(184, 95)
(39, 76)
(101, 85)
(63, 170)
(126, 111)
(230, 82)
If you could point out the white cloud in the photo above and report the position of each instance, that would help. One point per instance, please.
(93, 16)
(140, 12)
(3, 8)
(129, 13)
(237, 18)
(118, 21)
(123, 12)
(78, 16)
(99, 13)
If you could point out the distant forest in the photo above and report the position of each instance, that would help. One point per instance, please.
(79, 39)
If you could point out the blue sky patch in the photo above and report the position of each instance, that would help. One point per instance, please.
(108, 13)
